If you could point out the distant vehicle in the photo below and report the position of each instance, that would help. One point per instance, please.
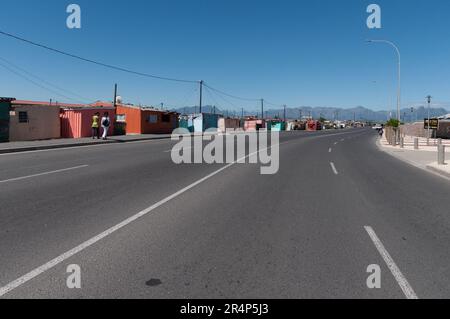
(377, 127)
(339, 125)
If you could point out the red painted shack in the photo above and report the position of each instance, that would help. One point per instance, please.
(140, 120)
(253, 124)
(76, 122)
(312, 126)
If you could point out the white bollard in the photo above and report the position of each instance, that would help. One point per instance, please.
(441, 155)
(416, 143)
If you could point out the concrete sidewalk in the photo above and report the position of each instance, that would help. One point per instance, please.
(16, 147)
(425, 158)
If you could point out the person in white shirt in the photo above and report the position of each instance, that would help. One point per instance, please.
(106, 123)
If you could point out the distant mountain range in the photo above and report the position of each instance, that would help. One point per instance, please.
(331, 113)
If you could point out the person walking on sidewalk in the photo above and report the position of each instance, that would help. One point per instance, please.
(96, 126)
(106, 123)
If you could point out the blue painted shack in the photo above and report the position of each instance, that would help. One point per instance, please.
(199, 122)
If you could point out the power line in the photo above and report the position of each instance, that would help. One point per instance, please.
(230, 95)
(188, 96)
(213, 98)
(93, 61)
(273, 104)
(39, 85)
(44, 81)
(216, 92)
(127, 70)
(226, 101)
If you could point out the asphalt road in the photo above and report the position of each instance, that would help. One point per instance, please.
(336, 206)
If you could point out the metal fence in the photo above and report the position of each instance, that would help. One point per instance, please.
(415, 129)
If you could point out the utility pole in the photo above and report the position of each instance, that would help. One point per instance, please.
(242, 113)
(201, 95)
(115, 96)
(301, 114)
(214, 110)
(284, 112)
(262, 109)
(429, 97)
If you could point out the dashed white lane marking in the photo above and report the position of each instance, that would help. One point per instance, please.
(42, 174)
(336, 143)
(49, 265)
(330, 150)
(401, 280)
(333, 167)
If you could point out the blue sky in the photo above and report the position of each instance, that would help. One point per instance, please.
(299, 53)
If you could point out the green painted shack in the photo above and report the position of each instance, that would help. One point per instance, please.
(5, 107)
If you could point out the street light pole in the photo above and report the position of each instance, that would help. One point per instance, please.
(201, 95)
(399, 73)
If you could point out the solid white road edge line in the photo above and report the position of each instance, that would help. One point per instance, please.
(401, 280)
(42, 174)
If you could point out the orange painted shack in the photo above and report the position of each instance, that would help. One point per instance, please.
(140, 120)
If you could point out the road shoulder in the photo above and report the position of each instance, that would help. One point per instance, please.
(422, 159)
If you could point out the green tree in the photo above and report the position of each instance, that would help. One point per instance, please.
(393, 123)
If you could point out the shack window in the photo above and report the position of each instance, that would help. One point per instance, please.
(152, 119)
(23, 117)
(121, 118)
(166, 118)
